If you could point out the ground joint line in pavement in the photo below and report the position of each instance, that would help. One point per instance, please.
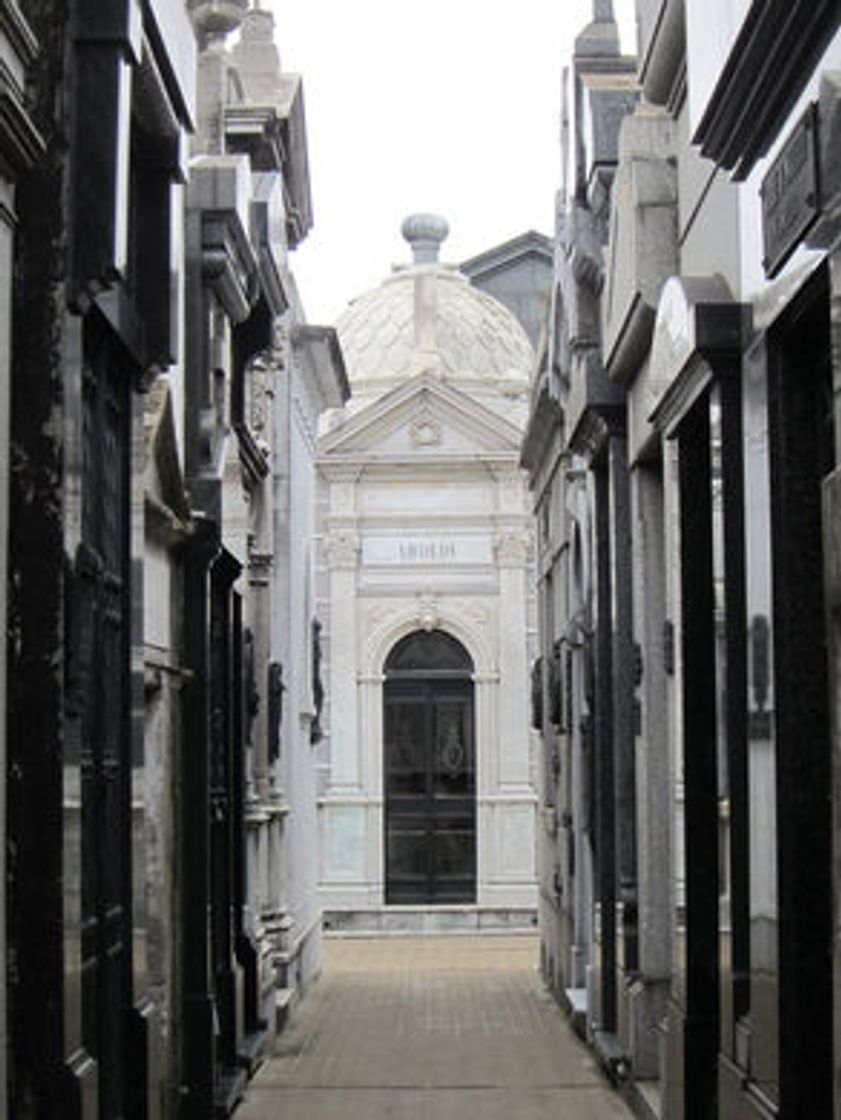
(552, 1086)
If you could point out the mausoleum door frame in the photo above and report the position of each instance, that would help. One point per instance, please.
(485, 680)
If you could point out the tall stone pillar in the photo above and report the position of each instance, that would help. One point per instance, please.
(647, 996)
(342, 557)
(512, 553)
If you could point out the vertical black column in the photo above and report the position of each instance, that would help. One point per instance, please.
(735, 977)
(604, 768)
(802, 452)
(37, 1042)
(700, 1042)
(198, 1012)
(622, 695)
(245, 949)
(224, 572)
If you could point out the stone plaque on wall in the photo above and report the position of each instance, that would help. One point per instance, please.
(789, 193)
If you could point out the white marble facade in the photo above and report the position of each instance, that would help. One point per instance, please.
(423, 527)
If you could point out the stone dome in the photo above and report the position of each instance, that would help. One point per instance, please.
(427, 317)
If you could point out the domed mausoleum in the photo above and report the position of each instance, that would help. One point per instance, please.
(427, 807)
(428, 318)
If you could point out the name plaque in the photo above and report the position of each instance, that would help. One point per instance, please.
(789, 193)
(426, 550)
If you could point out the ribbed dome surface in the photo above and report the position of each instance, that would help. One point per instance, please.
(471, 336)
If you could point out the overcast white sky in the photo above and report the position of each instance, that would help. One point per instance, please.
(450, 106)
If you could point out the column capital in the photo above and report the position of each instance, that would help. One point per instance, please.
(512, 548)
(342, 547)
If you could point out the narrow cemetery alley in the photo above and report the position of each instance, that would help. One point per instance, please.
(421, 686)
(430, 1028)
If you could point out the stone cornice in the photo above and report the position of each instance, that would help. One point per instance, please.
(319, 350)
(163, 524)
(220, 272)
(255, 130)
(591, 432)
(21, 144)
(341, 471)
(699, 333)
(663, 63)
(544, 421)
(681, 394)
(529, 244)
(14, 26)
(254, 457)
(220, 190)
(771, 60)
(643, 247)
(267, 224)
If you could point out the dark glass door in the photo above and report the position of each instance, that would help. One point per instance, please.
(99, 665)
(430, 791)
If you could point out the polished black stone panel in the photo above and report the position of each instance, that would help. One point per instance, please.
(700, 976)
(801, 434)
(604, 773)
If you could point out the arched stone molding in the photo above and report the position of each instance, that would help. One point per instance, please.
(398, 624)
(447, 615)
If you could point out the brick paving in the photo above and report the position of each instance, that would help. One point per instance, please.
(432, 1028)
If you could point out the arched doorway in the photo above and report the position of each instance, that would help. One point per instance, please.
(429, 771)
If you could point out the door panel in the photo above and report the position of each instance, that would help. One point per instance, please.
(430, 792)
(105, 761)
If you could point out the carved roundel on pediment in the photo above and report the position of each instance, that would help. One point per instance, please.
(425, 431)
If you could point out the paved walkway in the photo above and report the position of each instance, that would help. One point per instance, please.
(435, 1028)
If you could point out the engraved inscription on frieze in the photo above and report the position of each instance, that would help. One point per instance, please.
(397, 551)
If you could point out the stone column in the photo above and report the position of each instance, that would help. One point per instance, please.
(486, 689)
(648, 994)
(579, 718)
(342, 557)
(580, 806)
(511, 555)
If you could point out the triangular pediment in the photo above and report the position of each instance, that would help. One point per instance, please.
(423, 419)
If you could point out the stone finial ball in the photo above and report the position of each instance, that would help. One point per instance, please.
(425, 232)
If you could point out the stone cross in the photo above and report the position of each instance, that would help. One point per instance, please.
(603, 11)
